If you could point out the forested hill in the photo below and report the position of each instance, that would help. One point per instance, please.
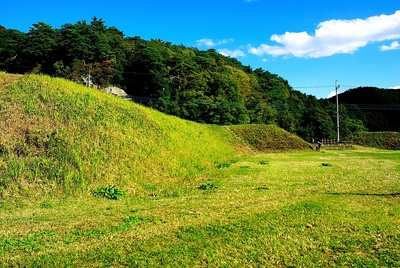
(202, 86)
(370, 95)
(380, 108)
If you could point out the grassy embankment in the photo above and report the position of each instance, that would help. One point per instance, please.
(270, 138)
(185, 207)
(61, 138)
(381, 140)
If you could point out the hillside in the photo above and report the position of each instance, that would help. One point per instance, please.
(270, 138)
(203, 86)
(195, 195)
(381, 140)
(370, 95)
(58, 137)
(378, 108)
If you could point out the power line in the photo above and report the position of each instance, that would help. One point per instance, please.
(314, 87)
(382, 107)
(333, 86)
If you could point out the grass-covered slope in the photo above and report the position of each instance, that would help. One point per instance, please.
(381, 140)
(270, 138)
(62, 138)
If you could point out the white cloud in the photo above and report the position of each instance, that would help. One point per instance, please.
(395, 87)
(331, 94)
(266, 49)
(225, 41)
(231, 53)
(394, 45)
(333, 37)
(205, 42)
(211, 43)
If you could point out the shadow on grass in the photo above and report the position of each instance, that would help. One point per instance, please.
(368, 194)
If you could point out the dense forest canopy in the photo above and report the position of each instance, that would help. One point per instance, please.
(198, 85)
(380, 107)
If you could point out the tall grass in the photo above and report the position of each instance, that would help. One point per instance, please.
(62, 138)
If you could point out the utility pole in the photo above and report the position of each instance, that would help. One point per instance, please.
(337, 109)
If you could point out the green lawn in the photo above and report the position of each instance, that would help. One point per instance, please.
(335, 208)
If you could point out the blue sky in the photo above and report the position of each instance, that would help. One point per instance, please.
(310, 43)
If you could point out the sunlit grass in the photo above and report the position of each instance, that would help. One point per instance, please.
(268, 210)
(77, 139)
(194, 196)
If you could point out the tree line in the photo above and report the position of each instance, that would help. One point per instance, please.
(198, 85)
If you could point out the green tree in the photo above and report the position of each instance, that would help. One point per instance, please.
(11, 44)
(77, 43)
(41, 42)
(348, 121)
(262, 113)
(316, 122)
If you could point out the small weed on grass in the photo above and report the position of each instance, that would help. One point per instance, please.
(46, 204)
(225, 164)
(208, 186)
(109, 192)
(263, 187)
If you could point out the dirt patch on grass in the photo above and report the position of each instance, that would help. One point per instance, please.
(8, 79)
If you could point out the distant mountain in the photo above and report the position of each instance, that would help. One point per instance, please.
(370, 95)
(380, 108)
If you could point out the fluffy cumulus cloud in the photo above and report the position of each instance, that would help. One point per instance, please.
(394, 45)
(207, 42)
(395, 87)
(334, 37)
(231, 53)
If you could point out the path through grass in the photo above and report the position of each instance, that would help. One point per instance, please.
(297, 210)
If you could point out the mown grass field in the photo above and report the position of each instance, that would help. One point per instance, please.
(338, 208)
(194, 196)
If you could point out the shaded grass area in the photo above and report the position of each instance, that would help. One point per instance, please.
(285, 210)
